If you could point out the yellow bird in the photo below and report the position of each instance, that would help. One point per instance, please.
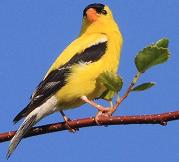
(72, 79)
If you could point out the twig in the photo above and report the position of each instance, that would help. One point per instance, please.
(87, 122)
(120, 100)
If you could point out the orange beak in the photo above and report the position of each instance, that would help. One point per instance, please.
(91, 15)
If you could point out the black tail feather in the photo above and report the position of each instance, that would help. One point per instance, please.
(21, 115)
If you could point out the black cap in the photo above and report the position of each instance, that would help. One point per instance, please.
(97, 6)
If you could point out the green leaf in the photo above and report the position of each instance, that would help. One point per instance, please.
(108, 95)
(162, 43)
(111, 81)
(143, 86)
(152, 55)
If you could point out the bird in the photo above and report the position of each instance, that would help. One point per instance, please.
(71, 80)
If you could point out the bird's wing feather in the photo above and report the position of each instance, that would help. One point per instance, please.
(77, 46)
(56, 78)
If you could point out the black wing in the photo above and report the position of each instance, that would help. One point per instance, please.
(57, 78)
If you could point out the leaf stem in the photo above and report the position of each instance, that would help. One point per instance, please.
(134, 81)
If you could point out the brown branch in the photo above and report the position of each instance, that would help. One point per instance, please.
(86, 122)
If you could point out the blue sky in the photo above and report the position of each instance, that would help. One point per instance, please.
(33, 33)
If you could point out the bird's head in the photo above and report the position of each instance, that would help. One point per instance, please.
(95, 13)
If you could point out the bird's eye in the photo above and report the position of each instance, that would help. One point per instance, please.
(104, 12)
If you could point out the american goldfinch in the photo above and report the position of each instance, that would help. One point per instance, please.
(72, 79)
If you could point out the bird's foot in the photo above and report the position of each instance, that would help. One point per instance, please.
(67, 120)
(70, 129)
(103, 114)
(102, 111)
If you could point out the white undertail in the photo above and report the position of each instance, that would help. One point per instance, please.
(37, 114)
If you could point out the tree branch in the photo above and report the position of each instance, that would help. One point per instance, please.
(103, 120)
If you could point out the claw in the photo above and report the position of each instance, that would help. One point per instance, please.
(66, 119)
(101, 114)
(102, 111)
(72, 130)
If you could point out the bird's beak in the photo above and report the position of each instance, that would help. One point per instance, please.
(91, 15)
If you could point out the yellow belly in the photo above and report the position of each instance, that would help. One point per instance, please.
(81, 82)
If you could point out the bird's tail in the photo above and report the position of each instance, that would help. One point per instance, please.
(31, 119)
(21, 132)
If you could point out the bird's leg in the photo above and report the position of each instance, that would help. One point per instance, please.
(94, 104)
(102, 111)
(66, 119)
